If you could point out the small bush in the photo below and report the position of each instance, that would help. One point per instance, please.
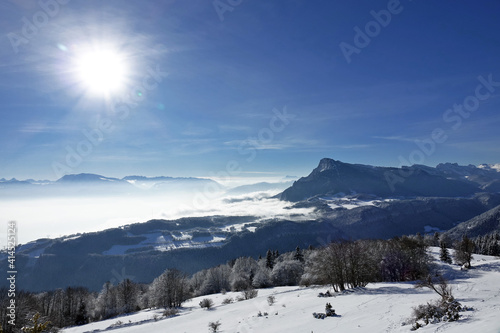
(319, 315)
(260, 314)
(446, 309)
(214, 326)
(206, 303)
(428, 313)
(116, 324)
(228, 300)
(249, 293)
(327, 294)
(170, 312)
(431, 313)
(330, 312)
(271, 300)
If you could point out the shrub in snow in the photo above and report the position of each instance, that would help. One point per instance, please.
(116, 324)
(446, 309)
(249, 293)
(170, 312)
(271, 299)
(431, 313)
(330, 312)
(206, 303)
(319, 315)
(214, 326)
(228, 300)
(327, 294)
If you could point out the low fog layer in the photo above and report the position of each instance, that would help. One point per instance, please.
(85, 211)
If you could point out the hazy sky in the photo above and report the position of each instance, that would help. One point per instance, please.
(194, 87)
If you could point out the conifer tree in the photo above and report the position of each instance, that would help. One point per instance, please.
(269, 259)
(444, 254)
(298, 255)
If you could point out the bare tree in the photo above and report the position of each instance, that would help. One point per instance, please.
(343, 265)
(127, 296)
(463, 252)
(438, 284)
(169, 289)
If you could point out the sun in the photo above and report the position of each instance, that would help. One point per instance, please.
(101, 70)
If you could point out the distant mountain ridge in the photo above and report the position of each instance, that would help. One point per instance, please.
(86, 177)
(89, 182)
(333, 177)
(91, 177)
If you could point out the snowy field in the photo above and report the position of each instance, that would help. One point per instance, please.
(380, 307)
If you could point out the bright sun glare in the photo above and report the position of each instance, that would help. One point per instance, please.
(102, 71)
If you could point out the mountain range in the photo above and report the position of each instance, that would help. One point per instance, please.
(446, 180)
(87, 183)
(339, 201)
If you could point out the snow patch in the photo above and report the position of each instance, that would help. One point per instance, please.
(167, 242)
(350, 203)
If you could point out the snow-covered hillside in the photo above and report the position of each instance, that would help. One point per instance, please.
(380, 307)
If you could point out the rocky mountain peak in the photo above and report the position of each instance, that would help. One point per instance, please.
(326, 164)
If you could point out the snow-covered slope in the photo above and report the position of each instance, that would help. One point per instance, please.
(380, 307)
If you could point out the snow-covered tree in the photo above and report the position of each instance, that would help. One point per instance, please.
(106, 305)
(262, 278)
(243, 272)
(287, 273)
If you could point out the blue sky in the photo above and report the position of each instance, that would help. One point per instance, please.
(230, 73)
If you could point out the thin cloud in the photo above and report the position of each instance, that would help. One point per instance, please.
(395, 138)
